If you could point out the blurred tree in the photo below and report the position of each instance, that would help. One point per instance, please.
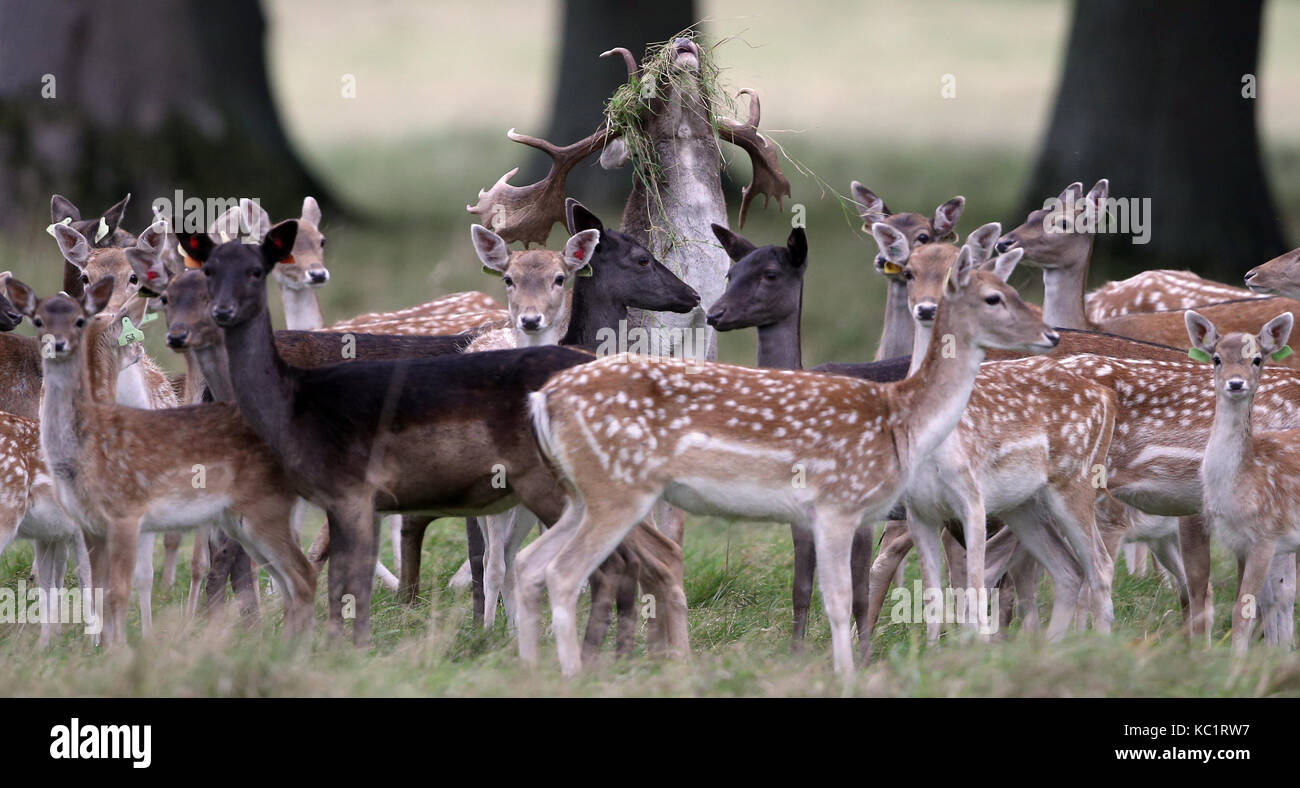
(147, 97)
(1151, 97)
(586, 80)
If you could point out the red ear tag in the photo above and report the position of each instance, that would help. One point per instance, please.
(194, 242)
(578, 254)
(151, 275)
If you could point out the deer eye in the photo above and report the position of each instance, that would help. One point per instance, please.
(134, 279)
(322, 242)
(163, 300)
(85, 280)
(36, 321)
(509, 282)
(81, 321)
(1217, 360)
(1259, 361)
(993, 300)
(643, 261)
(907, 274)
(769, 275)
(255, 273)
(559, 280)
(923, 239)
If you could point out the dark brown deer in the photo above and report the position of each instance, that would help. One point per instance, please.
(435, 434)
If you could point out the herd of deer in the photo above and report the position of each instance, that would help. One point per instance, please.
(1014, 439)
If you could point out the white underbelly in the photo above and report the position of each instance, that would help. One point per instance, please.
(173, 514)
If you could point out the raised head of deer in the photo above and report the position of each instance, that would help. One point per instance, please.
(732, 434)
(539, 282)
(1057, 241)
(102, 232)
(1251, 498)
(924, 272)
(1279, 276)
(764, 289)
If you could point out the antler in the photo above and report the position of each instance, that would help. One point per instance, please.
(768, 179)
(526, 213)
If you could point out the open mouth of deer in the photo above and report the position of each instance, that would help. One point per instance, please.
(686, 54)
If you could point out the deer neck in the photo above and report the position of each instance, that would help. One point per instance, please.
(780, 345)
(1230, 439)
(263, 386)
(897, 336)
(590, 313)
(194, 379)
(1063, 288)
(933, 399)
(67, 412)
(921, 333)
(301, 308)
(214, 370)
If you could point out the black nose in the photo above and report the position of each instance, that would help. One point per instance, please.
(319, 276)
(14, 317)
(223, 313)
(926, 311)
(1053, 338)
(60, 345)
(1004, 245)
(713, 318)
(177, 340)
(531, 323)
(1249, 275)
(1236, 384)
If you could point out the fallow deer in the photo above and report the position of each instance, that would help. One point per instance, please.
(425, 435)
(896, 337)
(824, 451)
(1279, 276)
(111, 473)
(102, 232)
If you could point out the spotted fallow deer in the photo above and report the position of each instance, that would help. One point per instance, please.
(766, 444)
(1249, 487)
(112, 474)
(896, 337)
(424, 435)
(1279, 276)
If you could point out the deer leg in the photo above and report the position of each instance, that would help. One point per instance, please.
(605, 524)
(1195, 541)
(1277, 599)
(123, 544)
(267, 539)
(498, 529)
(200, 561)
(599, 618)
(1075, 519)
(926, 538)
(530, 577)
(475, 549)
(394, 523)
(319, 552)
(142, 576)
(51, 559)
(1168, 555)
(661, 576)
(895, 543)
(1026, 575)
(671, 521)
(860, 571)
(1254, 568)
(171, 554)
(524, 521)
(413, 528)
(805, 565)
(220, 567)
(954, 558)
(834, 533)
(625, 597)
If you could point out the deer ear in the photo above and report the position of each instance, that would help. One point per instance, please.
(226, 226)
(257, 222)
(1097, 194)
(491, 249)
(1200, 331)
(947, 215)
(310, 211)
(97, 295)
(579, 249)
(1275, 333)
(22, 296)
(982, 240)
(196, 245)
(72, 244)
(62, 208)
(578, 218)
(1072, 193)
(278, 243)
(871, 208)
(736, 246)
(111, 220)
(1004, 264)
(960, 275)
(797, 246)
(146, 259)
(893, 244)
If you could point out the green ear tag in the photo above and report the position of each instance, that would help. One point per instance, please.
(1196, 354)
(129, 333)
(1281, 353)
(491, 272)
(586, 270)
(66, 221)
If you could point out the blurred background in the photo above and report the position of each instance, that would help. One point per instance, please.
(393, 114)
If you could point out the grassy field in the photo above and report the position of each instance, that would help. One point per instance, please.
(427, 131)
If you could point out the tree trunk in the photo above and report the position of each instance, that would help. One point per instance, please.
(586, 80)
(1152, 98)
(100, 99)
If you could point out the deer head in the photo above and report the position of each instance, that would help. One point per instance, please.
(101, 231)
(764, 285)
(61, 319)
(10, 317)
(916, 229)
(1238, 358)
(188, 311)
(539, 282)
(138, 268)
(1279, 276)
(1049, 235)
(236, 272)
(925, 268)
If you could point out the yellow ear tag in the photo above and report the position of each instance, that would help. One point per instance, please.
(891, 268)
(946, 276)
